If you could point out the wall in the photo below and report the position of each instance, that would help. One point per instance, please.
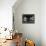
(6, 13)
(30, 31)
(43, 22)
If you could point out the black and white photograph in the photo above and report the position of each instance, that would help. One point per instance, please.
(28, 18)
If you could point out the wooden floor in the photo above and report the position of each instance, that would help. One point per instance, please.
(9, 43)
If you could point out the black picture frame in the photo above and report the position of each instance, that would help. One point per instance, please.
(28, 18)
